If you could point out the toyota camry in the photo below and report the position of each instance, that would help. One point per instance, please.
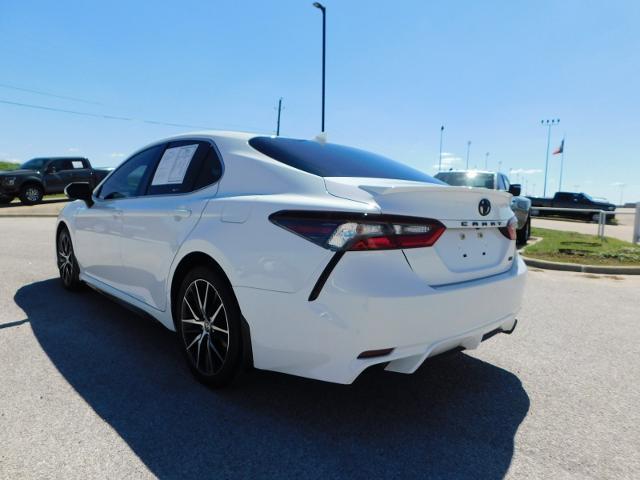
(298, 256)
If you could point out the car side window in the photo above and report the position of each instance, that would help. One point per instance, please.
(201, 167)
(131, 178)
(64, 165)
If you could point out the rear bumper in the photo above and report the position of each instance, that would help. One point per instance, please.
(374, 302)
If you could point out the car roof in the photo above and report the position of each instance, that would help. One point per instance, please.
(57, 158)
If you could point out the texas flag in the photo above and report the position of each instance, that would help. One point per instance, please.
(560, 149)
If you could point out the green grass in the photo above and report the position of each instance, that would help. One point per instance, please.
(8, 165)
(572, 247)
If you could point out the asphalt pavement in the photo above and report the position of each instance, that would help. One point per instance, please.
(90, 390)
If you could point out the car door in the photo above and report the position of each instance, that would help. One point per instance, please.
(98, 229)
(81, 171)
(57, 175)
(155, 225)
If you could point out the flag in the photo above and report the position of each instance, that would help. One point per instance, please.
(560, 149)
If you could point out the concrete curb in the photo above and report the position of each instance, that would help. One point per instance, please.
(575, 267)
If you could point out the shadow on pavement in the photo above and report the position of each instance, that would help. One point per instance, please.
(455, 418)
(46, 201)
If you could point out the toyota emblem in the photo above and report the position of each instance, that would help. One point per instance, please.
(484, 207)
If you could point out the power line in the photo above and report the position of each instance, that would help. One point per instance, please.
(53, 109)
(48, 94)
(115, 117)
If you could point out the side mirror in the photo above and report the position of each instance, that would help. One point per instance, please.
(80, 191)
(51, 168)
(515, 189)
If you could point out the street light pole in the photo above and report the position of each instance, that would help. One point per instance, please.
(468, 149)
(324, 44)
(440, 157)
(549, 124)
(486, 160)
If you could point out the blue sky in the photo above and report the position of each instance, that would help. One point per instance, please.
(489, 71)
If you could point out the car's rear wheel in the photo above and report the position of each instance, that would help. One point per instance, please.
(208, 324)
(522, 235)
(31, 194)
(67, 264)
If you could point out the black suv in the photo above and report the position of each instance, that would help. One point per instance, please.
(41, 176)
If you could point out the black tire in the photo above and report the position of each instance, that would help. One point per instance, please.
(67, 264)
(31, 193)
(208, 323)
(5, 200)
(522, 235)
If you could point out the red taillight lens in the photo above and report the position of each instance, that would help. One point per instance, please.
(351, 231)
(510, 230)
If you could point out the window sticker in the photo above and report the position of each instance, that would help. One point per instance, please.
(77, 164)
(174, 164)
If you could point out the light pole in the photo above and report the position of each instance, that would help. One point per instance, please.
(549, 124)
(324, 44)
(440, 157)
(486, 160)
(468, 149)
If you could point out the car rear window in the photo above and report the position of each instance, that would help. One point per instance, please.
(331, 160)
(467, 179)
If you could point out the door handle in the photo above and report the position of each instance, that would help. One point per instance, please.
(179, 213)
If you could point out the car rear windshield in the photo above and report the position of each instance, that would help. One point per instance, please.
(331, 160)
(467, 179)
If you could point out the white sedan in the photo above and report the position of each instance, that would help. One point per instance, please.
(297, 256)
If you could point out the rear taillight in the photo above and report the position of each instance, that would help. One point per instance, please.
(352, 231)
(510, 230)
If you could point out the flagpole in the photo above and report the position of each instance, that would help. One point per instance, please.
(549, 124)
(561, 164)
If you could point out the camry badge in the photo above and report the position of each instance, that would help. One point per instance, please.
(484, 207)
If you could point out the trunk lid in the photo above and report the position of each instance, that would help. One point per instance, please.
(472, 247)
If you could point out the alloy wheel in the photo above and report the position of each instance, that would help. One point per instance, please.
(205, 327)
(65, 259)
(32, 194)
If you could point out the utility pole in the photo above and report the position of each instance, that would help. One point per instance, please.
(440, 156)
(279, 111)
(548, 124)
(324, 44)
(468, 149)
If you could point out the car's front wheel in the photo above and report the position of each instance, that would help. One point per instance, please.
(208, 324)
(31, 194)
(67, 264)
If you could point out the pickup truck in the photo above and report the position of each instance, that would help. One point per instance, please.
(494, 181)
(576, 202)
(43, 176)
